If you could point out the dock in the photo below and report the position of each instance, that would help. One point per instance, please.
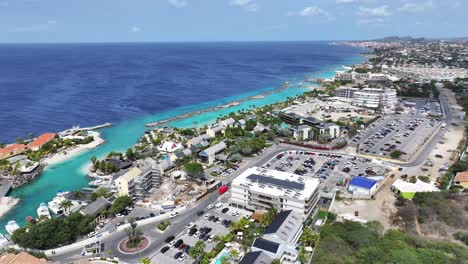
(96, 127)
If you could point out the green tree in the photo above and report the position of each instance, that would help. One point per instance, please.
(224, 260)
(194, 168)
(145, 260)
(269, 216)
(276, 261)
(133, 234)
(197, 250)
(309, 238)
(234, 254)
(66, 205)
(396, 154)
(119, 204)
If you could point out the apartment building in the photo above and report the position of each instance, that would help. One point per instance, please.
(258, 189)
(383, 99)
(345, 91)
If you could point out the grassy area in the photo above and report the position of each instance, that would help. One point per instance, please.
(163, 225)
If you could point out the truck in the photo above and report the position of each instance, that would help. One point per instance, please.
(223, 189)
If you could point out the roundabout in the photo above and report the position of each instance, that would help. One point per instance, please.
(143, 244)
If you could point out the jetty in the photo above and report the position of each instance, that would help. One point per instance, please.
(214, 108)
(95, 127)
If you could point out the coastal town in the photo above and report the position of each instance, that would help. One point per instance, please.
(372, 155)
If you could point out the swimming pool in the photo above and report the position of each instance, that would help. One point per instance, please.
(218, 260)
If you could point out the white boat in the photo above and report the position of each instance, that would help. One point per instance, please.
(55, 204)
(11, 227)
(43, 210)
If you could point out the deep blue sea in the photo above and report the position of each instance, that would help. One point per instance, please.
(51, 87)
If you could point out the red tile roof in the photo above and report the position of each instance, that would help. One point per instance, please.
(12, 148)
(462, 177)
(41, 140)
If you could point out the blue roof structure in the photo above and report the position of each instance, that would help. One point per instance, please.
(362, 182)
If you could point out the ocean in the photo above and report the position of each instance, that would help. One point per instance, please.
(51, 87)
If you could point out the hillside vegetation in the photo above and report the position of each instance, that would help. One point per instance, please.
(353, 242)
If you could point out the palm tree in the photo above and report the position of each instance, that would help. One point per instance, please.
(217, 238)
(276, 261)
(145, 260)
(109, 252)
(234, 254)
(65, 205)
(197, 250)
(133, 234)
(225, 260)
(308, 237)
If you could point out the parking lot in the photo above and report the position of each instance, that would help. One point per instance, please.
(396, 133)
(332, 169)
(215, 220)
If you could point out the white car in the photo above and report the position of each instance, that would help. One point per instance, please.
(206, 216)
(92, 234)
(174, 214)
(219, 221)
(190, 225)
(182, 257)
(210, 206)
(119, 215)
(172, 243)
(211, 238)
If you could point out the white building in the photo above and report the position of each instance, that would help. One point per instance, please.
(170, 147)
(279, 239)
(376, 98)
(260, 189)
(345, 91)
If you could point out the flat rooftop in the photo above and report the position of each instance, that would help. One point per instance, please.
(277, 183)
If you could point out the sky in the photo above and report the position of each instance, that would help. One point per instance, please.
(37, 21)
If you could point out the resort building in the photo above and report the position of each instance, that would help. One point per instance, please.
(344, 76)
(279, 239)
(461, 179)
(301, 132)
(126, 183)
(331, 129)
(170, 147)
(95, 208)
(200, 141)
(41, 140)
(209, 155)
(258, 189)
(383, 100)
(362, 185)
(345, 91)
(214, 130)
(291, 118)
(227, 122)
(11, 150)
(256, 257)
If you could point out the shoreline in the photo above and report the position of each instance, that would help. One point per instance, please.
(62, 157)
(229, 104)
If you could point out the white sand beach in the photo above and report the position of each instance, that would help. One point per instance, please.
(63, 156)
(6, 203)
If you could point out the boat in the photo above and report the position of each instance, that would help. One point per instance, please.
(55, 204)
(43, 211)
(11, 227)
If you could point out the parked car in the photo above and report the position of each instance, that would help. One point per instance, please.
(169, 239)
(178, 243)
(200, 213)
(224, 210)
(178, 254)
(165, 249)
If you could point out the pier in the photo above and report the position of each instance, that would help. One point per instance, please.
(214, 108)
(96, 127)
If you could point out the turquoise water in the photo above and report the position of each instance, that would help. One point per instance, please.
(71, 174)
(218, 260)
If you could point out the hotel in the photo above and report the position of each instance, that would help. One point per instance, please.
(259, 189)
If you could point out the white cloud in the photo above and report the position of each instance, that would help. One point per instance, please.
(344, 1)
(416, 7)
(135, 29)
(178, 3)
(248, 5)
(371, 21)
(313, 11)
(381, 11)
(47, 26)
